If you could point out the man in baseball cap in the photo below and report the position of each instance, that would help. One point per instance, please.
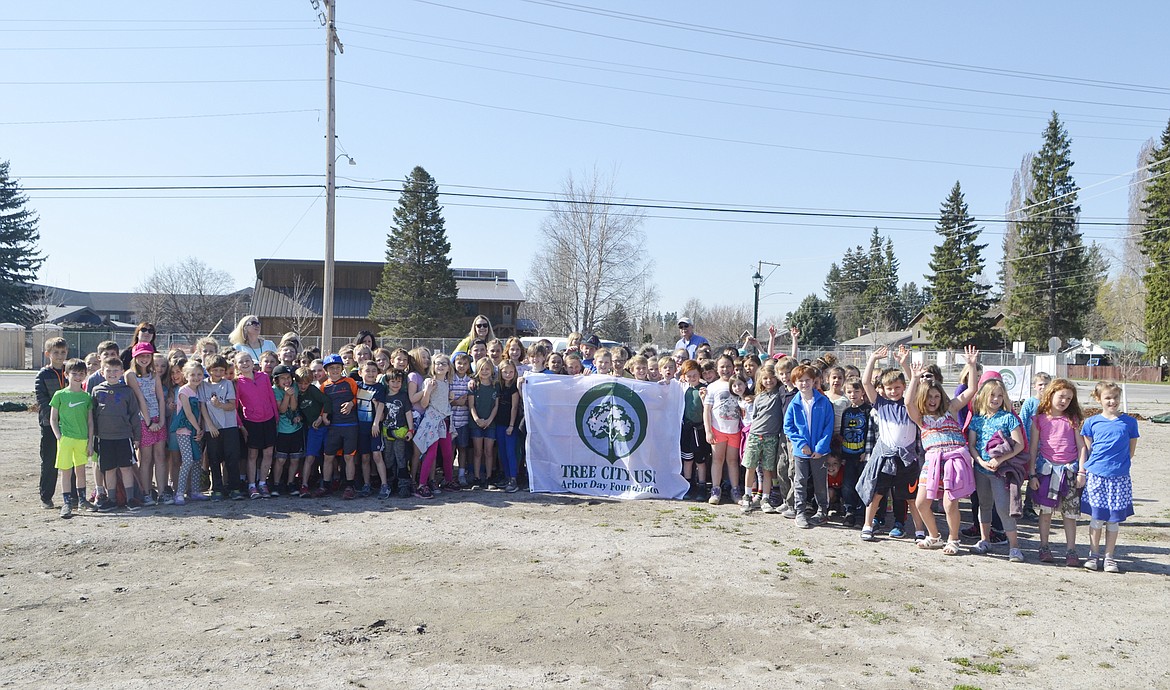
(688, 340)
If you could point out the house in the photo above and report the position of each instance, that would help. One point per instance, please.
(920, 334)
(288, 296)
(1103, 352)
(870, 339)
(115, 310)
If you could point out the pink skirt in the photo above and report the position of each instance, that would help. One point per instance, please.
(150, 438)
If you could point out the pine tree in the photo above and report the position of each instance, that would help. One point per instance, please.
(615, 325)
(814, 318)
(19, 259)
(1155, 245)
(957, 313)
(1056, 285)
(417, 295)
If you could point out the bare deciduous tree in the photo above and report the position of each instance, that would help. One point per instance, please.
(302, 319)
(593, 256)
(187, 297)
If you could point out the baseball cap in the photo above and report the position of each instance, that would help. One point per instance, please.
(685, 320)
(593, 340)
(333, 359)
(142, 348)
(283, 369)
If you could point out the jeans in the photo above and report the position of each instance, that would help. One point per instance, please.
(48, 463)
(811, 469)
(506, 445)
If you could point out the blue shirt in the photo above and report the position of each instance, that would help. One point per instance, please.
(1109, 456)
(1027, 411)
(985, 427)
(691, 345)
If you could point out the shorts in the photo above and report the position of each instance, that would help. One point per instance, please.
(341, 438)
(732, 440)
(904, 484)
(315, 441)
(761, 451)
(290, 446)
(488, 433)
(71, 453)
(368, 444)
(261, 435)
(463, 436)
(115, 453)
(150, 438)
(693, 444)
(1067, 507)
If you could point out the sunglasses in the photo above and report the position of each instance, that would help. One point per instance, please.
(927, 377)
(147, 330)
(481, 325)
(253, 323)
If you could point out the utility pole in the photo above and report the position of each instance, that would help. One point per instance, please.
(330, 175)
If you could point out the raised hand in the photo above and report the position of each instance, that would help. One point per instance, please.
(971, 354)
(881, 353)
(903, 355)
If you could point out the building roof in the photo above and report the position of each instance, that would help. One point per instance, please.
(878, 338)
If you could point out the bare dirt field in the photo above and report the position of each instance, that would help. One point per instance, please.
(486, 589)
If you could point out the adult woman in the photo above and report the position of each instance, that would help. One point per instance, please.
(246, 338)
(144, 333)
(366, 338)
(481, 329)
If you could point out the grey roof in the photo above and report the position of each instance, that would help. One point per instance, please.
(72, 313)
(878, 338)
(348, 303)
(489, 291)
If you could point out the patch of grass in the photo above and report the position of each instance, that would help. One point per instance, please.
(874, 617)
(839, 588)
(1105, 664)
(784, 567)
(602, 524)
(804, 559)
(774, 542)
(1024, 613)
(765, 571)
(796, 552)
(1063, 657)
(839, 576)
(991, 667)
(967, 687)
(908, 606)
(916, 669)
(1000, 653)
(960, 661)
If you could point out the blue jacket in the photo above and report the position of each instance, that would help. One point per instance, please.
(816, 433)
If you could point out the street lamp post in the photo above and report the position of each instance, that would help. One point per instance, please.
(757, 281)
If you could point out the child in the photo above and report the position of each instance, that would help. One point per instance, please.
(495, 351)
(435, 429)
(1027, 410)
(853, 431)
(639, 368)
(808, 424)
(484, 405)
(782, 493)
(48, 381)
(258, 409)
(419, 361)
(574, 365)
(188, 425)
(892, 446)
(460, 415)
(147, 387)
(667, 368)
(398, 430)
(371, 396)
(72, 422)
(343, 430)
(992, 414)
(694, 448)
(116, 426)
(556, 364)
(315, 407)
(508, 407)
(223, 448)
(603, 362)
(946, 469)
(1110, 441)
(1056, 446)
(173, 381)
(764, 438)
(514, 352)
(721, 421)
(268, 362)
(290, 439)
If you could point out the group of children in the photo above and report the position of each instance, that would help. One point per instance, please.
(264, 420)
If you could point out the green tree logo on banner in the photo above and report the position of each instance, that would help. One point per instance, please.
(611, 421)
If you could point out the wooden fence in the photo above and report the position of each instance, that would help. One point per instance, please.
(1146, 374)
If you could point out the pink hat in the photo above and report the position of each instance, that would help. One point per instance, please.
(142, 348)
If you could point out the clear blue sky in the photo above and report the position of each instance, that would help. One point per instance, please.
(727, 112)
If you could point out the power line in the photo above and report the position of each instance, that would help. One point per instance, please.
(158, 117)
(805, 45)
(687, 76)
(697, 99)
(170, 47)
(167, 82)
(739, 58)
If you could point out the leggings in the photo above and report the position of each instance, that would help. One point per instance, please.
(443, 445)
(993, 492)
(187, 484)
(506, 446)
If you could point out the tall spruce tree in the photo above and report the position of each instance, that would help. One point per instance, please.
(814, 317)
(416, 298)
(19, 259)
(957, 313)
(1155, 245)
(1056, 285)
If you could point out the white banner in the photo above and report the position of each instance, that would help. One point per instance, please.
(603, 436)
(1017, 380)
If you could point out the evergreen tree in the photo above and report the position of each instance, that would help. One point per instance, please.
(19, 259)
(416, 298)
(911, 300)
(1155, 245)
(1056, 285)
(957, 315)
(814, 317)
(615, 325)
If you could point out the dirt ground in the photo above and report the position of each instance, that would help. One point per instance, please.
(486, 589)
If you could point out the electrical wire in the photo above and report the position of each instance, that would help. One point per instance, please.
(158, 117)
(757, 61)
